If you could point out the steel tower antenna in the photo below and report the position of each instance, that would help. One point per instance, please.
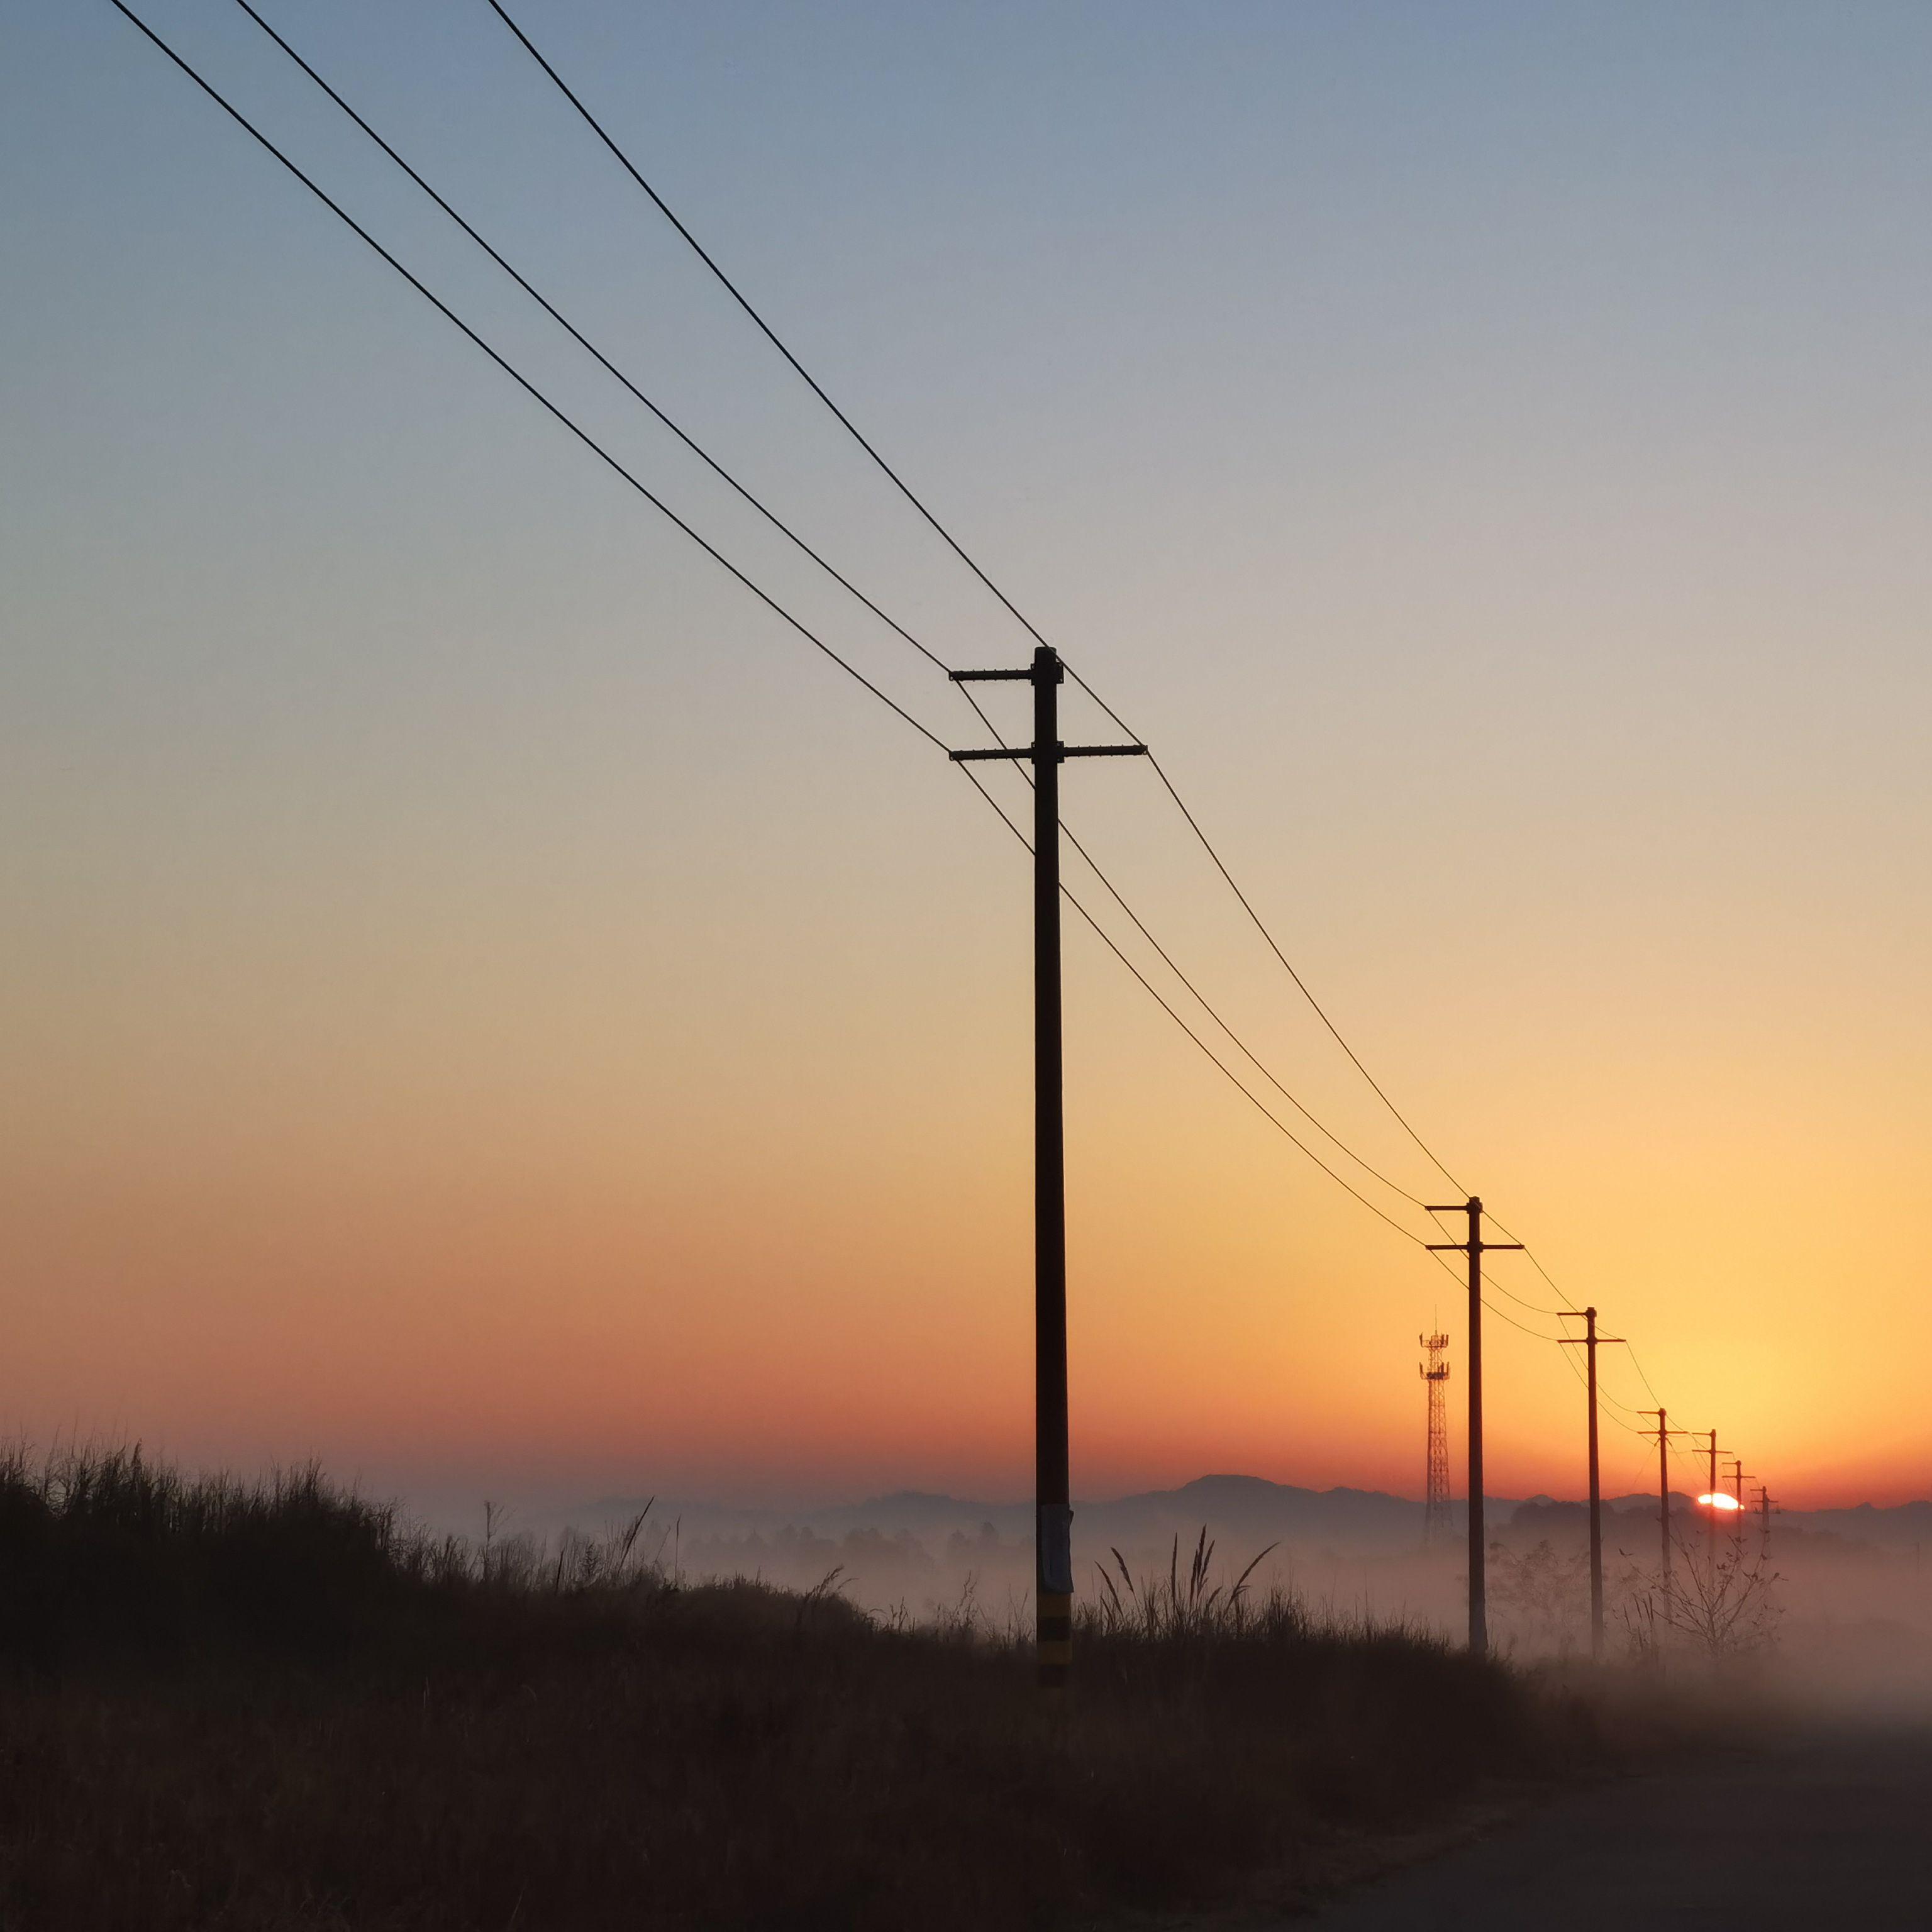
(1434, 1372)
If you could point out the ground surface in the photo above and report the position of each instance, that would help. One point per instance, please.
(1830, 1831)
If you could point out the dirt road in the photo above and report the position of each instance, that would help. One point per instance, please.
(1831, 1832)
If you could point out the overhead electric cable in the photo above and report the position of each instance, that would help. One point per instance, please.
(1367, 1168)
(817, 643)
(1503, 1314)
(1535, 1307)
(563, 321)
(523, 381)
(717, 557)
(1529, 1255)
(778, 523)
(1641, 1376)
(1247, 906)
(1107, 940)
(770, 334)
(918, 503)
(583, 342)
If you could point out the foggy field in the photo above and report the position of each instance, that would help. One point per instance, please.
(1848, 1593)
(237, 1707)
(244, 1706)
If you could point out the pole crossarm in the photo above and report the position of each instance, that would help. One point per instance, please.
(1049, 672)
(1475, 1244)
(1017, 752)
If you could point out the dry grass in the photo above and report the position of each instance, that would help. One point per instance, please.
(234, 1706)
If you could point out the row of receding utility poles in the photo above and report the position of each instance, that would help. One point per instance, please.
(1474, 1248)
(1053, 1547)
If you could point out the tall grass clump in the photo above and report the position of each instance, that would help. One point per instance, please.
(236, 1706)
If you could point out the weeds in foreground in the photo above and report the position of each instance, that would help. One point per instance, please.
(1720, 1603)
(236, 1706)
(1165, 1608)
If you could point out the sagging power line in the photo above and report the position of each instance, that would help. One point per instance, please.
(839, 577)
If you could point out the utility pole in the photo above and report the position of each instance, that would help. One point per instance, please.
(1588, 1341)
(1710, 1507)
(1765, 1507)
(1475, 1247)
(1739, 1479)
(1663, 1434)
(1053, 1505)
(1435, 1375)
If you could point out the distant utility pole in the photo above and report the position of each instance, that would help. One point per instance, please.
(1663, 1434)
(1053, 1505)
(1710, 1507)
(1587, 1342)
(1435, 1373)
(1739, 1479)
(1475, 1247)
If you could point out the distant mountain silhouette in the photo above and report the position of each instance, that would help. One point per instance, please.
(1242, 1511)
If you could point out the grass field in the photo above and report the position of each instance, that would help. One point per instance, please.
(229, 1706)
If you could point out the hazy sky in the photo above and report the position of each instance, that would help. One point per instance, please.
(488, 1006)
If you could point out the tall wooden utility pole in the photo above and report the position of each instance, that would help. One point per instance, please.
(1053, 1505)
(1739, 1479)
(1475, 1247)
(1663, 1434)
(1587, 1342)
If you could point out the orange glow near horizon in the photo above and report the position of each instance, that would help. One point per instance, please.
(488, 1006)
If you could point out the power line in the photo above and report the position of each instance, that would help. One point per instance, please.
(523, 381)
(1367, 1166)
(1530, 1256)
(778, 523)
(765, 328)
(584, 342)
(1641, 1376)
(764, 597)
(576, 335)
(818, 643)
(912, 497)
(1234, 1079)
(918, 503)
(1502, 1315)
(1247, 906)
(1535, 1307)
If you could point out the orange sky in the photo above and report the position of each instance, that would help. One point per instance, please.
(487, 1006)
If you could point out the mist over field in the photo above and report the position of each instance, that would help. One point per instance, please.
(1848, 1592)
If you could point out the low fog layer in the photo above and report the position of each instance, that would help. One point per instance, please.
(1837, 1602)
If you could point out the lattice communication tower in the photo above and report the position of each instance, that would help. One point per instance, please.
(1435, 1373)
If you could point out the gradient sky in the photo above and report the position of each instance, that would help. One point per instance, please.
(488, 1006)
